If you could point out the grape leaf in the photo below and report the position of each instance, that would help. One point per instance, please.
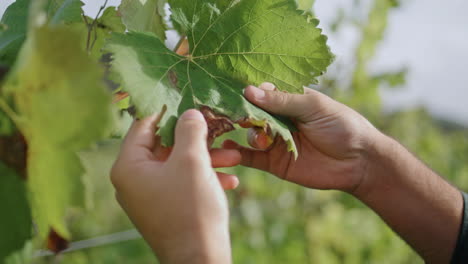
(16, 20)
(306, 5)
(144, 16)
(64, 107)
(231, 45)
(106, 24)
(64, 11)
(111, 21)
(15, 223)
(98, 162)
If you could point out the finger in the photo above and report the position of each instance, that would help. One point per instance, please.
(228, 181)
(267, 86)
(256, 159)
(222, 158)
(191, 135)
(258, 138)
(140, 138)
(298, 106)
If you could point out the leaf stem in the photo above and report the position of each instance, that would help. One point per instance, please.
(160, 115)
(92, 26)
(88, 25)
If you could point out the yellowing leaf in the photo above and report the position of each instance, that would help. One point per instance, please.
(64, 107)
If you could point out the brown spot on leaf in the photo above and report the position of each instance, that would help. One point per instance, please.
(13, 152)
(55, 242)
(173, 78)
(217, 124)
(119, 96)
(245, 123)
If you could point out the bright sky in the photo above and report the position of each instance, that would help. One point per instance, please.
(428, 36)
(431, 38)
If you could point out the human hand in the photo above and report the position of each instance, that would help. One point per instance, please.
(176, 199)
(332, 139)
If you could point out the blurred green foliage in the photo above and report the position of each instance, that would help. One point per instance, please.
(277, 222)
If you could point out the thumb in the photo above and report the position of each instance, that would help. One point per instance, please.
(297, 106)
(191, 134)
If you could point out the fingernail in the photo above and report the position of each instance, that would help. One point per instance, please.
(267, 86)
(257, 93)
(192, 114)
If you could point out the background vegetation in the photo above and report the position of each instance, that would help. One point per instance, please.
(278, 222)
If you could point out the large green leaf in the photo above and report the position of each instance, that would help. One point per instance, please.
(15, 223)
(144, 16)
(64, 107)
(16, 20)
(232, 45)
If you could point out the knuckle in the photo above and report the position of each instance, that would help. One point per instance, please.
(191, 158)
(279, 98)
(197, 125)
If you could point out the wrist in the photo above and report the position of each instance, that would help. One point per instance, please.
(200, 246)
(378, 147)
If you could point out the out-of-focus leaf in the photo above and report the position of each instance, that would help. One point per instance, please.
(98, 162)
(15, 223)
(59, 94)
(144, 16)
(15, 20)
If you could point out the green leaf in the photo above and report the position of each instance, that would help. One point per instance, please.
(64, 108)
(16, 22)
(98, 162)
(15, 19)
(111, 21)
(64, 11)
(232, 45)
(306, 5)
(15, 223)
(144, 16)
(22, 256)
(106, 24)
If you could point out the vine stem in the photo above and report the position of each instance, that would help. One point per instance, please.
(92, 26)
(13, 116)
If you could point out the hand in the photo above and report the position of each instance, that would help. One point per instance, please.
(339, 149)
(176, 201)
(332, 140)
